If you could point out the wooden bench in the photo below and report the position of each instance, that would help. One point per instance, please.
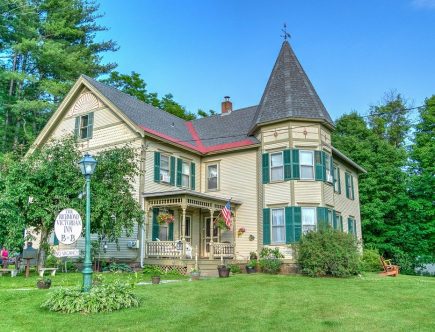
(389, 269)
(43, 269)
(13, 272)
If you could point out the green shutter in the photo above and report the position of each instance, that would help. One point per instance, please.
(157, 167)
(287, 165)
(320, 161)
(172, 176)
(266, 226)
(171, 228)
(179, 171)
(192, 176)
(289, 225)
(322, 218)
(339, 180)
(156, 227)
(351, 186)
(297, 222)
(266, 176)
(350, 225)
(295, 164)
(354, 228)
(346, 179)
(90, 124)
(334, 220)
(331, 167)
(77, 128)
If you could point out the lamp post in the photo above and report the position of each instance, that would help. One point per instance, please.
(87, 167)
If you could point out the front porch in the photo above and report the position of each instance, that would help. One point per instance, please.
(192, 234)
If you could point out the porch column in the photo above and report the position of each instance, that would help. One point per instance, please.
(183, 232)
(234, 231)
(145, 238)
(211, 254)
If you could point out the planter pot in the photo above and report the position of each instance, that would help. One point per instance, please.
(155, 280)
(224, 272)
(195, 275)
(41, 284)
(250, 269)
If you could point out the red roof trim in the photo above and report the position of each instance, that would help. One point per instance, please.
(199, 146)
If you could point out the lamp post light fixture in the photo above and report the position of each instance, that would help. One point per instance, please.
(87, 167)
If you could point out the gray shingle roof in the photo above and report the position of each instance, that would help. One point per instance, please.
(289, 93)
(203, 135)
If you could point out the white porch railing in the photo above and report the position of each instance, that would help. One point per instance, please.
(163, 249)
(225, 250)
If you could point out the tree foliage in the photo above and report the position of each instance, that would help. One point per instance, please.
(45, 45)
(51, 178)
(392, 217)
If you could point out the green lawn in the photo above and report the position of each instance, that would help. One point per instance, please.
(243, 302)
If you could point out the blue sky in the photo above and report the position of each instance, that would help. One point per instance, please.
(200, 51)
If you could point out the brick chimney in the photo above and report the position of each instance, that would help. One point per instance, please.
(227, 106)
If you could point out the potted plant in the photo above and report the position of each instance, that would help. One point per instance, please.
(43, 283)
(224, 270)
(251, 267)
(221, 224)
(155, 279)
(165, 218)
(195, 273)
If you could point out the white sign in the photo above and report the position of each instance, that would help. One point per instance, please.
(68, 226)
(67, 253)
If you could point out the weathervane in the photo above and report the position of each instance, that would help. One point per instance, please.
(284, 31)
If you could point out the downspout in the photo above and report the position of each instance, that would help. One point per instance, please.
(142, 234)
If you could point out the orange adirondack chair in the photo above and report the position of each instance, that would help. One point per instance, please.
(389, 269)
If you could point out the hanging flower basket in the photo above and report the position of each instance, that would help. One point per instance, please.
(240, 231)
(165, 218)
(221, 224)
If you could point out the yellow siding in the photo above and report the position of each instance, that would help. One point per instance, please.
(238, 179)
(308, 192)
(328, 194)
(275, 134)
(277, 193)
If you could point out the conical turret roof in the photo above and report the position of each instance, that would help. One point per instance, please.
(289, 93)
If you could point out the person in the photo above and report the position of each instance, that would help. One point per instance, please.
(4, 254)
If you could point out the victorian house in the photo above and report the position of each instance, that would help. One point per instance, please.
(274, 160)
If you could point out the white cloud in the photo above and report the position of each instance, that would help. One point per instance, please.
(429, 4)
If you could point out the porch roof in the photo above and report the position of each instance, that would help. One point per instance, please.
(192, 193)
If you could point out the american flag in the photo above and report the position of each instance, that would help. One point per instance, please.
(226, 213)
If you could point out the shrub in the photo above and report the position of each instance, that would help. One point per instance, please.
(270, 260)
(114, 267)
(370, 260)
(103, 298)
(153, 270)
(234, 268)
(329, 253)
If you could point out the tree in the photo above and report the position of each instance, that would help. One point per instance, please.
(422, 179)
(50, 176)
(45, 46)
(135, 86)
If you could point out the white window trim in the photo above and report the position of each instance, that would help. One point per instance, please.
(169, 168)
(336, 180)
(270, 166)
(217, 176)
(312, 165)
(184, 161)
(314, 227)
(351, 192)
(271, 227)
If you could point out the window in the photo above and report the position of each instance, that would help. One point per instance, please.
(276, 166)
(278, 226)
(84, 126)
(164, 169)
(187, 232)
(185, 174)
(308, 219)
(306, 164)
(329, 177)
(337, 184)
(212, 177)
(349, 186)
(351, 226)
